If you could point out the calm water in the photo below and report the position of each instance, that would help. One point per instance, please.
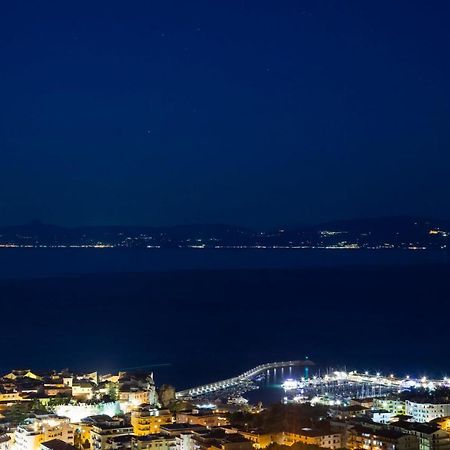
(49, 262)
(211, 314)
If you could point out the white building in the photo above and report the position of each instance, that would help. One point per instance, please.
(80, 411)
(391, 404)
(83, 389)
(382, 416)
(42, 428)
(424, 412)
(185, 442)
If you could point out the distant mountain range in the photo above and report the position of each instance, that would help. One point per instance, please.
(387, 232)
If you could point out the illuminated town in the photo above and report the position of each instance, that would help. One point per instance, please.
(387, 233)
(224, 225)
(126, 411)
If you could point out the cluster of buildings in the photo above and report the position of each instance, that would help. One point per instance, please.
(72, 409)
(67, 411)
(387, 423)
(404, 421)
(88, 392)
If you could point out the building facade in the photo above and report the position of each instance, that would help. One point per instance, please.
(152, 442)
(309, 436)
(430, 436)
(360, 437)
(34, 431)
(103, 434)
(148, 420)
(426, 412)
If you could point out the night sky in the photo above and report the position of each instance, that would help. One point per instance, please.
(247, 112)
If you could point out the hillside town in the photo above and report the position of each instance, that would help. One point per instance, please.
(124, 411)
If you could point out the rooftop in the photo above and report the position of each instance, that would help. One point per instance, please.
(314, 432)
(182, 427)
(151, 437)
(425, 428)
(57, 444)
(380, 432)
(4, 438)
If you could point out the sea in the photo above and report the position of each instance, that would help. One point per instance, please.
(45, 262)
(194, 316)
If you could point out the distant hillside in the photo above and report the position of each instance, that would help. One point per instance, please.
(388, 232)
(385, 224)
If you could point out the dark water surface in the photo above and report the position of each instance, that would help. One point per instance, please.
(38, 262)
(212, 314)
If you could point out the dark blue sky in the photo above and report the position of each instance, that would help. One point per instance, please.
(247, 112)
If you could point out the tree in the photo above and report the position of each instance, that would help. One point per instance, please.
(18, 413)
